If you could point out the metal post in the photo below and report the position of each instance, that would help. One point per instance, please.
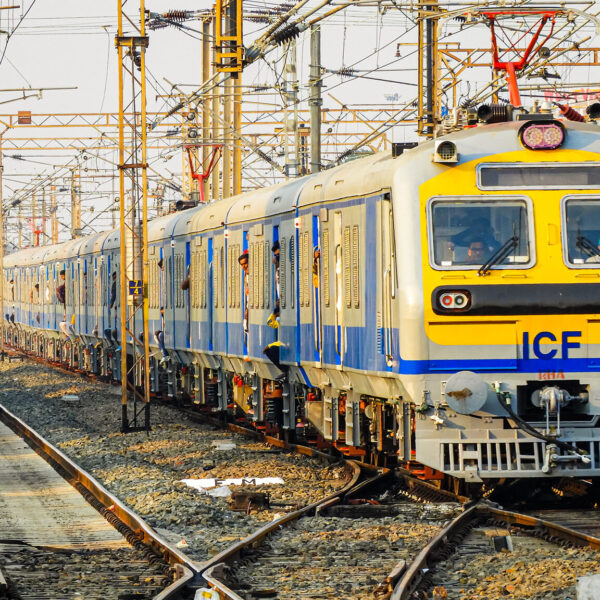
(237, 130)
(133, 213)
(205, 102)
(53, 216)
(215, 193)
(227, 137)
(20, 225)
(315, 100)
(43, 226)
(430, 75)
(186, 176)
(290, 129)
(227, 20)
(2, 275)
(35, 236)
(427, 92)
(235, 86)
(75, 205)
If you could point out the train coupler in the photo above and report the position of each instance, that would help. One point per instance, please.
(552, 458)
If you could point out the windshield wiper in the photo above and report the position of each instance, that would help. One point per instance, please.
(585, 245)
(509, 245)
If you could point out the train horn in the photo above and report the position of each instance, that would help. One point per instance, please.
(494, 113)
(593, 110)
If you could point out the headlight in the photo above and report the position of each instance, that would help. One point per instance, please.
(456, 300)
(545, 135)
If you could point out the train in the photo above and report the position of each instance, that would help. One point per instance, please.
(435, 307)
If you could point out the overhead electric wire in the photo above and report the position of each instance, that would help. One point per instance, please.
(15, 29)
(106, 71)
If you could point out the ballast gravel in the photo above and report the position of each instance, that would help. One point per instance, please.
(145, 470)
(341, 558)
(534, 569)
(51, 574)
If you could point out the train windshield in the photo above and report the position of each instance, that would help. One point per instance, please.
(472, 234)
(582, 244)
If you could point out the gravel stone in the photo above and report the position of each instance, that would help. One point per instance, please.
(144, 470)
(535, 569)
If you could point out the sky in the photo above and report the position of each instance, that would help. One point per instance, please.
(70, 44)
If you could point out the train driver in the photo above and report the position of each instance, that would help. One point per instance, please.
(477, 252)
(479, 229)
(271, 351)
(112, 304)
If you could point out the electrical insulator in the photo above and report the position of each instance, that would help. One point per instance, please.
(176, 15)
(286, 34)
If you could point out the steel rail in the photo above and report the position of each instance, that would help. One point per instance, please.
(211, 571)
(555, 531)
(413, 575)
(215, 566)
(437, 549)
(131, 526)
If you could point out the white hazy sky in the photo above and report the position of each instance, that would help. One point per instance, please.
(70, 43)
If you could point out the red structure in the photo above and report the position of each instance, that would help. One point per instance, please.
(202, 177)
(514, 66)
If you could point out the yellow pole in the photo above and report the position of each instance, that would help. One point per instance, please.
(54, 216)
(133, 266)
(123, 228)
(2, 281)
(145, 303)
(227, 137)
(236, 139)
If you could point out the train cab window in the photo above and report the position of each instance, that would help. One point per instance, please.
(581, 231)
(467, 234)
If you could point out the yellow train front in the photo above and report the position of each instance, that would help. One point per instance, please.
(509, 383)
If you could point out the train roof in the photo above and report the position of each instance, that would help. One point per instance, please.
(210, 216)
(93, 243)
(356, 178)
(361, 177)
(274, 200)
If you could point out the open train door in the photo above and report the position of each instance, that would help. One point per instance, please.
(187, 296)
(210, 286)
(387, 300)
(316, 290)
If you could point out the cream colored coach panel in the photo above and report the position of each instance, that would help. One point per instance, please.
(375, 173)
(211, 216)
(253, 205)
(89, 244)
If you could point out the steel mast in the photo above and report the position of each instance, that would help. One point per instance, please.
(133, 212)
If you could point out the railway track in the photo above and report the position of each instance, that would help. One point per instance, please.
(489, 553)
(55, 545)
(348, 546)
(330, 530)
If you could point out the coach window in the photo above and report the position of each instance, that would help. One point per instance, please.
(466, 234)
(581, 232)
